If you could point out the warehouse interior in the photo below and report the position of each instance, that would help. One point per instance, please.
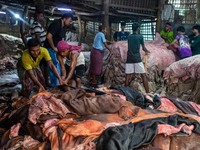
(109, 115)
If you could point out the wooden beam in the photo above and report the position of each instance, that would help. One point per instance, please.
(80, 30)
(136, 14)
(22, 25)
(159, 13)
(132, 7)
(84, 31)
(106, 17)
(89, 14)
(198, 12)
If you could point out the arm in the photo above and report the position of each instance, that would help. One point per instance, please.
(145, 49)
(52, 67)
(143, 46)
(72, 67)
(63, 70)
(35, 80)
(106, 45)
(174, 42)
(50, 40)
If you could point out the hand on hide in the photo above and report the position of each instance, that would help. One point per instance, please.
(147, 52)
(61, 81)
(66, 82)
(41, 89)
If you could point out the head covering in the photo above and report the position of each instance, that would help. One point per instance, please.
(62, 46)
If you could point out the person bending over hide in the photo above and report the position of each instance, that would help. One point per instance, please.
(134, 62)
(72, 63)
(182, 40)
(28, 67)
(167, 34)
(56, 33)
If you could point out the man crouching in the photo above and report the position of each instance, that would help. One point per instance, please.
(28, 67)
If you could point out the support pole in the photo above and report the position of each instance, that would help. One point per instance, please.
(106, 18)
(84, 31)
(198, 12)
(80, 30)
(159, 13)
(22, 26)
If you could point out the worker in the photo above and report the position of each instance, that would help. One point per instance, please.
(195, 40)
(122, 35)
(167, 34)
(182, 40)
(72, 62)
(96, 56)
(134, 63)
(115, 35)
(56, 33)
(37, 31)
(28, 67)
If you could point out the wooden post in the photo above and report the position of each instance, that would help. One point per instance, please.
(84, 31)
(106, 18)
(22, 26)
(159, 13)
(80, 30)
(198, 12)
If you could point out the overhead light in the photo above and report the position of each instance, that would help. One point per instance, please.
(17, 16)
(64, 9)
(2, 12)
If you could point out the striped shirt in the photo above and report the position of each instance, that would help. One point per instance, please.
(37, 29)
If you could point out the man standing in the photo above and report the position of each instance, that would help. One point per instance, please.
(122, 35)
(167, 34)
(134, 62)
(37, 31)
(96, 56)
(55, 34)
(195, 40)
(28, 67)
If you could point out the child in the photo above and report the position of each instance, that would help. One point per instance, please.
(182, 40)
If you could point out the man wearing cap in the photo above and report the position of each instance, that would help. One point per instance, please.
(28, 67)
(167, 34)
(122, 35)
(72, 62)
(56, 33)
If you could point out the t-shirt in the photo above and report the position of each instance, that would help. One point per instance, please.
(57, 32)
(184, 47)
(134, 42)
(99, 41)
(29, 63)
(37, 29)
(122, 36)
(170, 34)
(195, 44)
(80, 59)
